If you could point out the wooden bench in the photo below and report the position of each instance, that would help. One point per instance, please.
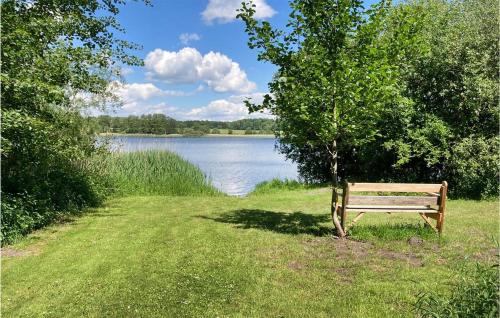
(432, 205)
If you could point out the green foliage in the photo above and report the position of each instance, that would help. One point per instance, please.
(161, 124)
(53, 54)
(154, 173)
(475, 293)
(450, 131)
(45, 171)
(334, 74)
(474, 169)
(427, 111)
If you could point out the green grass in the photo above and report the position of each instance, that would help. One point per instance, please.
(276, 185)
(154, 173)
(267, 255)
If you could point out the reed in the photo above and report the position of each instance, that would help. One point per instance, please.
(154, 172)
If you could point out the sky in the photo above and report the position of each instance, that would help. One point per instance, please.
(197, 64)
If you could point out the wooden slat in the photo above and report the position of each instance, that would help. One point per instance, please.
(392, 200)
(389, 207)
(387, 210)
(394, 187)
(434, 216)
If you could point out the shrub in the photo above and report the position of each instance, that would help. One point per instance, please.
(473, 168)
(45, 171)
(475, 294)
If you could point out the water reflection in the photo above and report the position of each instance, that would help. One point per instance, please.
(233, 164)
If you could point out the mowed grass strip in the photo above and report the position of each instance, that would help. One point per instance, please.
(262, 256)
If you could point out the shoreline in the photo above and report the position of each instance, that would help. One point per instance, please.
(180, 135)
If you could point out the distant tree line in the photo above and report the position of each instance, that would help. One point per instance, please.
(160, 124)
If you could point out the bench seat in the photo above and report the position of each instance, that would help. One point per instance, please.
(389, 208)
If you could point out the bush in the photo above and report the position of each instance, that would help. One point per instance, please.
(473, 168)
(475, 294)
(45, 171)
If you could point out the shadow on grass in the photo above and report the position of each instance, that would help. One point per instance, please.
(279, 222)
(392, 232)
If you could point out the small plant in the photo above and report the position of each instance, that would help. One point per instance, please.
(474, 294)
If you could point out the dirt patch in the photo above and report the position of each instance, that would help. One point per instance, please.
(296, 266)
(361, 252)
(11, 252)
(411, 259)
(491, 254)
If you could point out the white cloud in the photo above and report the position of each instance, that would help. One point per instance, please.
(137, 108)
(134, 96)
(136, 91)
(232, 108)
(224, 11)
(126, 71)
(141, 91)
(185, 38)
(174, 67)
(217, 70)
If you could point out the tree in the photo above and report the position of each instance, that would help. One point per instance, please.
(334, 76)
(58, 57)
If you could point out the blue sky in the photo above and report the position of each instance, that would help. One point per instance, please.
(197, 63)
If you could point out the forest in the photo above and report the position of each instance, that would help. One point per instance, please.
(159, 124)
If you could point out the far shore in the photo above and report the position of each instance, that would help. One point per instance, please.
(180, 135)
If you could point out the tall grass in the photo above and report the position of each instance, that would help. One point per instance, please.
(475, 293)
(280, 185)
(154, 172)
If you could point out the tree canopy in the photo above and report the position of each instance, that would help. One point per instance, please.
(58, 56)
(399, 90)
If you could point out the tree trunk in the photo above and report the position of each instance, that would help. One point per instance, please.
(335, 183)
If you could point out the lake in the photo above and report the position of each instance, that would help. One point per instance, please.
(233, 164)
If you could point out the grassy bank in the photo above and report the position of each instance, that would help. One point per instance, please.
(154, 172)
(267, 255)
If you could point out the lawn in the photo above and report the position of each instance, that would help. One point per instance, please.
(267, 255)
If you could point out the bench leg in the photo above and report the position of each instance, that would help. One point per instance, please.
(336, 223)
(440, 222)
(428, 222)
(356, 219)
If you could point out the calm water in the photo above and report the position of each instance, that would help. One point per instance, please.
(233, 164)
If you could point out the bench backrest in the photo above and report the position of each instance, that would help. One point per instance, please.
(393, 187)
(434, 194)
